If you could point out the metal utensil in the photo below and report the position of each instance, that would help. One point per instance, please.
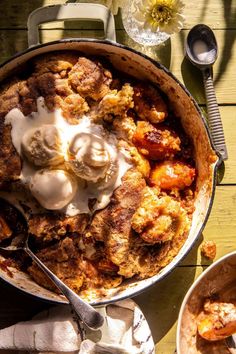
(201, 49)
(86, 313)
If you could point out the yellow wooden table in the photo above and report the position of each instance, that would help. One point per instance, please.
(161, 303)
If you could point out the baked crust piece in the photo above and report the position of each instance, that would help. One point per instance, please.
(66, 261)
(114, 103)
(208, 249)
(90, 79)
(148, 103)
(159, 218)
(52, 226)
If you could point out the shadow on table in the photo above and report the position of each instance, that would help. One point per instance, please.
(227, 51)
(191, 75)
(161, 53)
(161, 303)
(193, 80)
(16, 306)
(14, 16)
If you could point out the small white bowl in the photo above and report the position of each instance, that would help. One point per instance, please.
(219, 278)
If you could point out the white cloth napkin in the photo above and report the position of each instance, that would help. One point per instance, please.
(125, 331)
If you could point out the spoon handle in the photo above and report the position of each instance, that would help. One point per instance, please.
(86, 313)
(214, 118)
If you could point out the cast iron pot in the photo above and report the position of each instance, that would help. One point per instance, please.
(142, 67)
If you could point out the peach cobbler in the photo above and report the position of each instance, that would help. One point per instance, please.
(100, 165)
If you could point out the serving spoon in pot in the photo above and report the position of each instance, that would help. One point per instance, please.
(201, 50)
(89, 316)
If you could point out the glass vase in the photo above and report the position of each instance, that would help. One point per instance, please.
(136, 30)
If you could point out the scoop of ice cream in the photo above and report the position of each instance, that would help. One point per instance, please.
(89, 157)
(42, 145)
(53, 189)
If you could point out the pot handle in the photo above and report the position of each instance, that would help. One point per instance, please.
(70, 11)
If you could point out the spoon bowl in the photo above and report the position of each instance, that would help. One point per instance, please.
(201, 46)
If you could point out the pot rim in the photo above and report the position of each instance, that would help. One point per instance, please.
(214, 172)
(190, 291)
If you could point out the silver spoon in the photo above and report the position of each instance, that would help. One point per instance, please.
(89, 316)
(201, 49)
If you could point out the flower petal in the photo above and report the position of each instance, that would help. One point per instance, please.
(168, 19)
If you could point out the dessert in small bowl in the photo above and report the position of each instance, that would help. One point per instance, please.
(207, 316)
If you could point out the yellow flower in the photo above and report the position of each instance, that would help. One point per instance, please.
(162, 15)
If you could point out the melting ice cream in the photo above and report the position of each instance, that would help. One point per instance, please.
(66, 165)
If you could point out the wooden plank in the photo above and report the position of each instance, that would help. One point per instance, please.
(220, 227)
(217, 14)
(170, 54)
